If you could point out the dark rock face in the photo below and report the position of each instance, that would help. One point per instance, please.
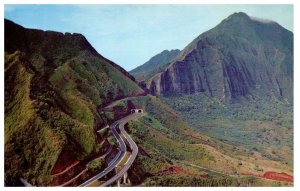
(242, 56)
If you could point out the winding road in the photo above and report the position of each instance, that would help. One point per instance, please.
(133, 147)
(118, 158)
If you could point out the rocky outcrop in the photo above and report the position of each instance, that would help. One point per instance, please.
(242, 56)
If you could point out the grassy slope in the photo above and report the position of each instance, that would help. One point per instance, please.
(265, 126)
(53, 85)
(21, 122)
(221, 181)
(164, 138)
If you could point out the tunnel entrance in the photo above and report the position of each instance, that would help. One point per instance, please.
(136, 111)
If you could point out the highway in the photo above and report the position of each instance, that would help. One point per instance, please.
(133, 147)
(111, 105)
(112, 163)
(118, 158)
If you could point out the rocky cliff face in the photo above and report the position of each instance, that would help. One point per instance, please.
(242, 56)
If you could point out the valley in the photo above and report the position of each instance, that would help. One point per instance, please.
(261, 126)
(194, 148)
(217, 113)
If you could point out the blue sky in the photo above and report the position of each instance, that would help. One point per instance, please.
(131, 34)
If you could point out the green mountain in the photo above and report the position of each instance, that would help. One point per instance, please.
(156, 64)
(234, 84)
(240, 57)
(54, 83)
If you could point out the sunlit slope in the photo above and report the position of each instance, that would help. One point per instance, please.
(53, 84)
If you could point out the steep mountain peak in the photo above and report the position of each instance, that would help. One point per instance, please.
(238, 16)
(239, 57)
(243, 17)
(242, 20)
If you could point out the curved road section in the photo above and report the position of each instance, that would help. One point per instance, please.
(118, 158)
(133, 147)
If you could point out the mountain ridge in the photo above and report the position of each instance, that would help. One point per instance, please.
(230, 49)
(55, 84)
(154, 64)
(84, 42)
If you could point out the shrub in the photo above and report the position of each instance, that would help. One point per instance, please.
(97, 165)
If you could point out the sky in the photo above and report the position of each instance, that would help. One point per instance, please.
(130, 35)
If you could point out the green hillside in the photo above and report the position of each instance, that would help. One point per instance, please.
(263, 125)
(54, 84)
(166, 143)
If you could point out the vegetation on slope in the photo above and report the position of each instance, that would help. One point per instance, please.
(166, 142)
(97, 165)
(26, 155)
(54, 84)
(262, 125)
(188, 181)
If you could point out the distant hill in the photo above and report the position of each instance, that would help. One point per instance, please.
(240, 57)
(156, 64)
(53, 84)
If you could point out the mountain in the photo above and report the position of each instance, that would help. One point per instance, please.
(240, 57)
(156, 64)
(54, 84)
(234, 84)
